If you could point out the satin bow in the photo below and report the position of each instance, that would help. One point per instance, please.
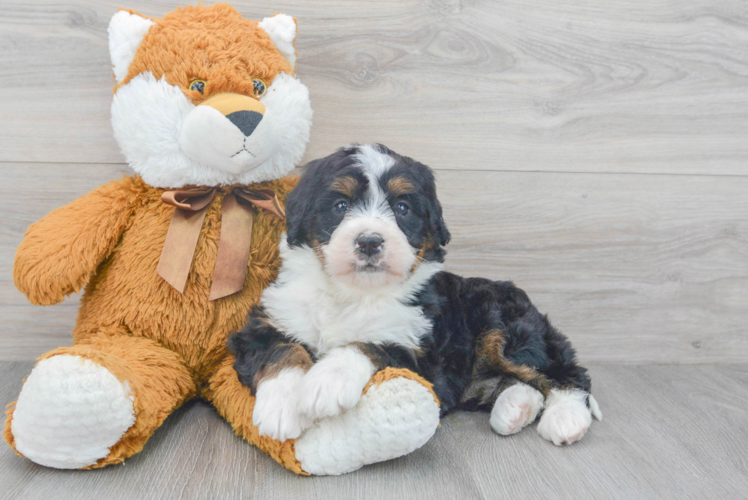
(234, 243)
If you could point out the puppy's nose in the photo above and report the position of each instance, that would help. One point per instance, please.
(369, 245)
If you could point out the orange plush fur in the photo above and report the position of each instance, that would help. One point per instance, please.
(168, 346)
(214, 44)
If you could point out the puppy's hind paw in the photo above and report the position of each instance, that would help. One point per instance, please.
(515, 408)
(566, 417)
(276, 411)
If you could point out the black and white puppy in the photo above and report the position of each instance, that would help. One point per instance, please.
(361, 288)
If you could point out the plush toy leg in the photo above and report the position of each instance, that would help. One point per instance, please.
(397, 414)
(235, 402)
(97, 403)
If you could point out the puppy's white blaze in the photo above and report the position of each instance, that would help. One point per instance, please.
(374, 164)
(373, 161)
(276, 411)
(323, 313)
(169, 147)
(566, 417)
(335, 383)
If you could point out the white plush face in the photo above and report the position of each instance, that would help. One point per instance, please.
(171, 142)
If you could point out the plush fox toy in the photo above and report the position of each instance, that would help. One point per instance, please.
(209, 115)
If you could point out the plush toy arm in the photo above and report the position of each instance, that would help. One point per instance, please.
(59, 253)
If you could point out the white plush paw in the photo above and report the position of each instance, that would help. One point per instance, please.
(335, 383)
(566, 417)
(392, 419)
(70, 412)
(276, 411)
(515, 408)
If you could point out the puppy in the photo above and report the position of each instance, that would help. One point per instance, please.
(361, 288)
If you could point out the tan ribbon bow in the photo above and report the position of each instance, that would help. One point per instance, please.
(233, 245)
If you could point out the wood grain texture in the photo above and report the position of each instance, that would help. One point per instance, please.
(526, 109)
(668, 432)
(633, 268)
(587, 86)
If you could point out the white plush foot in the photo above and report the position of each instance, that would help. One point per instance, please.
(515, 408)
(335, 383)
(566, 417)
(70, 412)
(276, 412)
(391, 420)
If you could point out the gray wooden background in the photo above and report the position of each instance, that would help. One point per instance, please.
(594, 152)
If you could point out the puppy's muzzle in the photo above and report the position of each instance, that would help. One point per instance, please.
(369, 245)
(244, 112)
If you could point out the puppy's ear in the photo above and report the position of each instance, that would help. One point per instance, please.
(296, 209)
(437, 224)
(436, 220)
(300, 204)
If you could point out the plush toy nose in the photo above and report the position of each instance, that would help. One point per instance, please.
(244, 112)
(246, 121)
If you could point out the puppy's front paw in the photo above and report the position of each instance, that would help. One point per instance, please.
(335, 383)
(276, 412)
(515, 408)
(566, 417)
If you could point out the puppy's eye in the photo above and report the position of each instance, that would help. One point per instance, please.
(198, 85)
(260, 87)
(340, 207)
(402, 208)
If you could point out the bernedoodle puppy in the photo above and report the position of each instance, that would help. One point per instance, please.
(361, 288)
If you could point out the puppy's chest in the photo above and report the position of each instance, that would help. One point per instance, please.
(323, 322)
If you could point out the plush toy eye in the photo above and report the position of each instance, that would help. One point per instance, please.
(340, 207)
(260, 87)
(402, 208)
(198, 85)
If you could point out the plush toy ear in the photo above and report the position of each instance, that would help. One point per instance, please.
(282, 31)
(126, 31)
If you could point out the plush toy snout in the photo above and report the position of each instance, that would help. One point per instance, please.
(229, 132)
(244, 112)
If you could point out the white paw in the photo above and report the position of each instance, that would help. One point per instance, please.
(392, 419)
(515, 408)
(70, 412)
(335, 383)
(276, 412)
(566, 417)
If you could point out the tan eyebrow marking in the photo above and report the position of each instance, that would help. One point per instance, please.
(400, 185)
(345, 185)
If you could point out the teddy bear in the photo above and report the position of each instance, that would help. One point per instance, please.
(212, 120)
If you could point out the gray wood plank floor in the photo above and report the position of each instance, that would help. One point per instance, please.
(668, 432)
